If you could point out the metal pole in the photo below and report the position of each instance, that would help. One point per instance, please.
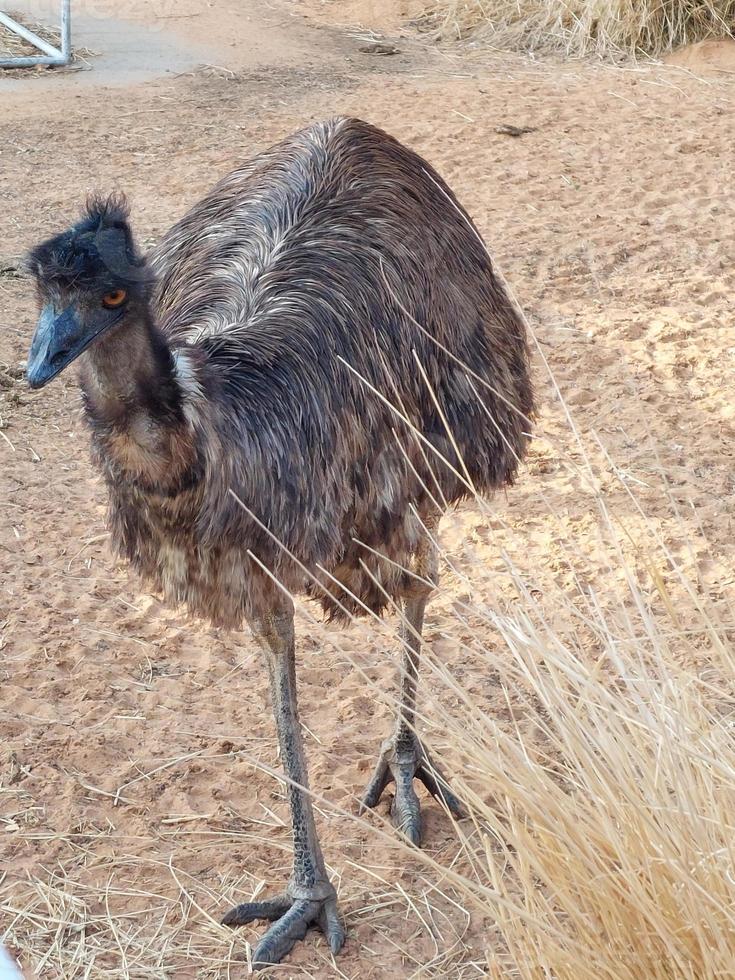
(66, 31)
(51, 55)
(29, 62)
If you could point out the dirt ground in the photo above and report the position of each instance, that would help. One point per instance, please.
(136, 797)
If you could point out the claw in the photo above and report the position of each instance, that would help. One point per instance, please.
(401, 760)
(291, 918)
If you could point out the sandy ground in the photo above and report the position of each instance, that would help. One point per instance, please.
(132, 808)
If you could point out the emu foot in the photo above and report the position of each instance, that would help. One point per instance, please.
(403, 758)
(291, 913)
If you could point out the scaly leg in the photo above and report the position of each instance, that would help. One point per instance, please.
(309, 899)
(402, 756)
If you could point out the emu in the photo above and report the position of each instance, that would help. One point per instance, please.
(315, 362)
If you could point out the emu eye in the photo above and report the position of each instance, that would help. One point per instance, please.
(116, 298)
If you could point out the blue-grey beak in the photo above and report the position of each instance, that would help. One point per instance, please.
(59, 339)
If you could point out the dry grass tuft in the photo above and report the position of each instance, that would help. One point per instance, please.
(607, 28)
(605, 848)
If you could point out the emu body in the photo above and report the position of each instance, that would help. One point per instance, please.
(313, 364)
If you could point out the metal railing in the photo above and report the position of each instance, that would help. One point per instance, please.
(51, 55)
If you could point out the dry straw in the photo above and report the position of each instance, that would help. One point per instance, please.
(607, 835)
(583, 27)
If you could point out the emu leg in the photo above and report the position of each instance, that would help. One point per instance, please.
(309, 898)
(402, 756)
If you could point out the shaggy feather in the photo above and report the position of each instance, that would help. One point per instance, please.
(305, 304)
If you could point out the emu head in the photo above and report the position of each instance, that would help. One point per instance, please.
(91, 281)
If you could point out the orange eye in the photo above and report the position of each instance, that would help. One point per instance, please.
(116, 298)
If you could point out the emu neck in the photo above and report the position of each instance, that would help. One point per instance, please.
(128, 366)
(133, 402)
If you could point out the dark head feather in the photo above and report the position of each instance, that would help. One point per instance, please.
(98, 252)
(113, 210)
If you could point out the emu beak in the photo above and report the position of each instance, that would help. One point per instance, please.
(58, 340)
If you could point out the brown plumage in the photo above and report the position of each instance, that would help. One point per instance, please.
(313, 364)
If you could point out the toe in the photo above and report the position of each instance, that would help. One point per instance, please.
(377, 784)
(406, 811)
(331, 926)
(285, 933)
(271, 909)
